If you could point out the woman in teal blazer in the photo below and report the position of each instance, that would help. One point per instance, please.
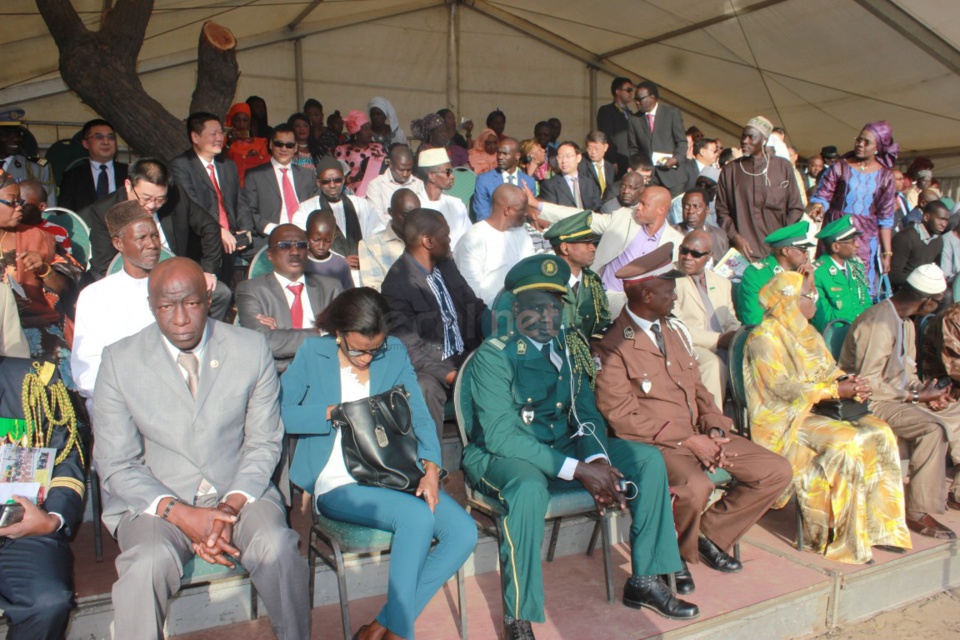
(357, 359)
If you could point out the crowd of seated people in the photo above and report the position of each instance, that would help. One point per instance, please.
(597, 284)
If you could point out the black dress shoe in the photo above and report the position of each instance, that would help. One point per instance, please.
(684, 580)
(517, 630)
(716, 558)
(657, 598)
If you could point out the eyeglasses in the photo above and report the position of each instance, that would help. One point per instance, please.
(157, 200)
(640, 98)
(696, 254)
(331, 181)
(290, 244)
(13, 203)
(373, 353)
(286, 145)
(447, 172)
(100, 137)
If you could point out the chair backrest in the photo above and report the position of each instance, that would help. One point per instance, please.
(62, 155)
(463, 400)
(465, 181)
(735, 357)
(260, 264)
(956, 289)
(77, 231)
(834, 334)
(922, 325)
(117, 263)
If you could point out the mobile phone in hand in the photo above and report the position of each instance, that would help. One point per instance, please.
(10, 514)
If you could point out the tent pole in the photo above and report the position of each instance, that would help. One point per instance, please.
(592, 106)
(298, 72)
(453, 58)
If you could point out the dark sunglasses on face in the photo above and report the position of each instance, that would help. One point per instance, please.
(690, 252)
(356, 353)
(286, 145)
(289, 244)
(331, 181)
(447, 172)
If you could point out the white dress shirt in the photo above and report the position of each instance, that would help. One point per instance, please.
(484, 255)
(370, 222)
(381, 189)
(278, 174)
(95, 171)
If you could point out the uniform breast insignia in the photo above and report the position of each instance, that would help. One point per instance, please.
(839, 304)
(521, 347)
(646, 385)
(527, 414)
(628, 333)
(832, 271)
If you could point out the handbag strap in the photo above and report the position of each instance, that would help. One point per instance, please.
(383, 405)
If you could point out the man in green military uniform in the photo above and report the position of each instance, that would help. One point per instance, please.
(789, 253)
(840, 277)
(585, 303)
(536, 426)
(14, 162)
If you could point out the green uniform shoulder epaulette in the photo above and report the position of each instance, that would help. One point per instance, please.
(499, 343)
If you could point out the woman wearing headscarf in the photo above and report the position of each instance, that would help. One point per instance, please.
(361, 157)
(861, 184)
(384, 122)
(244, 149)
(846, 474)
(483, 155)
(433, 133)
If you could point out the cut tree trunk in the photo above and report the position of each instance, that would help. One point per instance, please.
(101, 67)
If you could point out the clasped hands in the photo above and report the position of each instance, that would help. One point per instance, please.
(709, 450)
(602, 480)
(210, 529)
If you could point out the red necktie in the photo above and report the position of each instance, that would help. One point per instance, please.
(224, 220)
(650, 121)
(289, 196)
(296, 309)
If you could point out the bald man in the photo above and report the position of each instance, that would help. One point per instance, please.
(491, 247)
(174, 489)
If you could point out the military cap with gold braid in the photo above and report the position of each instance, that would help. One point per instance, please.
(542, 272)
(576, 228)
(839, 230)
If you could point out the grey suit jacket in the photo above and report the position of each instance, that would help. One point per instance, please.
(668, 136)
(153, 438)
(264, 295)
(260, 198)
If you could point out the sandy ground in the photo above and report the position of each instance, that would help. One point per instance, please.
(936, 618)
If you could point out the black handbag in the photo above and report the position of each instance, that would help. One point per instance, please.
(846, 409)
(379, 446)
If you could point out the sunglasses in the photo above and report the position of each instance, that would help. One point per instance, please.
(447, 172)
(373, 353)
(285, 145)
(696, 254)
(331, 181)
(13, 203)
(290, 244)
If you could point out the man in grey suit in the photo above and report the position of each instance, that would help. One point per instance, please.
(272, 192)
(657, 131)
(188, 435)
(212, 182)
(275, 305)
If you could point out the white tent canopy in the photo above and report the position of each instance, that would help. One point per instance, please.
(819, 68)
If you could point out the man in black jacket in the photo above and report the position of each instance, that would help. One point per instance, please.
(100, 176)
(614, 120)
(919, 243)
(185, 228)
(433, 310)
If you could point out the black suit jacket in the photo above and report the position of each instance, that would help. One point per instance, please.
(909, 252)
(611, 120)
(557, 191)
(264, 295)
(668, 136)
(191, 175)
(78, 189)
(189, 231)
(589, 171)
(415, 313)
(260, 198)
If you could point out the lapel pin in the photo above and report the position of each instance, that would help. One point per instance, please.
(214, 364)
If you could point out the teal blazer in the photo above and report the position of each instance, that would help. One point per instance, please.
(312, 383)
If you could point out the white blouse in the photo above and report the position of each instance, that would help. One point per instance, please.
(334, 473)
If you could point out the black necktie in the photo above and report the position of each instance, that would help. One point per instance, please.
(103, 184)
(575, 289)
(655, 327)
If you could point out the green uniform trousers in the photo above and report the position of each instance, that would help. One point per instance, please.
(523, 490)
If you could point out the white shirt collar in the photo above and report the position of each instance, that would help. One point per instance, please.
(284, 283)
(277, 166)
(96, 164)
(197, 350)
(640, 322)
(654, 112)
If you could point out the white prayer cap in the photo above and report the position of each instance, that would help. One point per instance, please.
(433, 157)
(928, 279)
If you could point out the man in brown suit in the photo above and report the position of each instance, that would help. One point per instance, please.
(649, 389)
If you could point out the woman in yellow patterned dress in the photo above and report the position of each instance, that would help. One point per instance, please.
(846, 474)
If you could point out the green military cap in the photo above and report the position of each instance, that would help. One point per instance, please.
(576, 228)
(839, 229)
(542, 272)
(793, 236)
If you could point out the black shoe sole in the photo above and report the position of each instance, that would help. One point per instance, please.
(643, 605)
